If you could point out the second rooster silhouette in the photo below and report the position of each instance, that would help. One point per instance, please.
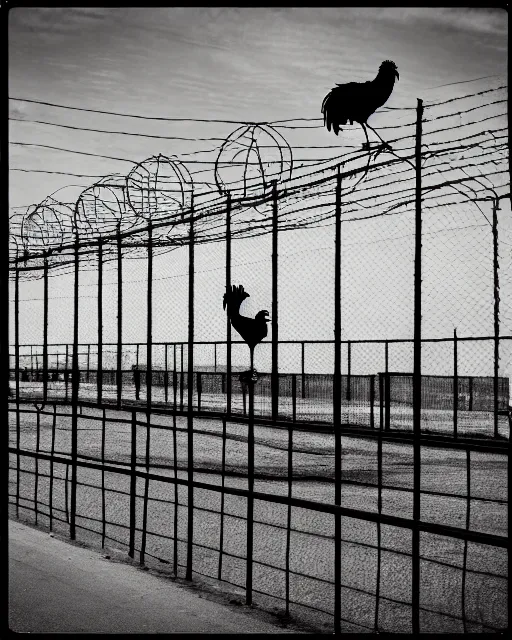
(252, 330)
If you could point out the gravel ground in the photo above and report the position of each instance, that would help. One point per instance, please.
(311, 559)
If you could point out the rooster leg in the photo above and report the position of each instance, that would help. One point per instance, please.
(377, 134)
(251, 349)
(366, 134)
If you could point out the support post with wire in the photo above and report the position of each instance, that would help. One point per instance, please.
(496, 293)
(337, 405)
(190, 406)
(275, 336)
(416, 389)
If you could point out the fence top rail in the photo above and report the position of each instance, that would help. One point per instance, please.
(437, 440)
(410, 374)
(215, 342)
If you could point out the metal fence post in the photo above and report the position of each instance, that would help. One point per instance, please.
(275, 336)
(166, 373)
(294, 398)
(337, 406)
(190, 408)
(349, 370)
(455, 384)
(228, 288)
(149, 387)
(17, 370)
(74, 398)
(303, 369)
(372, 402)
(417, 383)
(119, 319)
(99, 380)
(45, 330)
(250, 498)
(133, 484)
(496, 292)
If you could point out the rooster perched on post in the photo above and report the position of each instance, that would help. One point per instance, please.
(252, 330)
(356, 101)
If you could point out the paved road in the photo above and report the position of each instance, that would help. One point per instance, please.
(55, 586)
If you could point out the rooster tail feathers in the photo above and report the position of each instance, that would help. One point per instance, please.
(233, 298)
(330, 109)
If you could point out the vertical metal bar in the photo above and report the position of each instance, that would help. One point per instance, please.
(228, 288)
(182, 378)
(275, 335)
(45, 330)
(17, 368)
(289, 520)
(250, 498)
(99, 380)
(455, 384)
(32, 364)
(294, 397)
(223, 482)
(337, 406)
(36, 461)
(166, 374)
(119, 364)
(190, 408)
(417, 383)
(470, 385)
(176, 493)
(349, 370)
(133, 484)
(66, 493)
(496, 291)
(103, 501)
(199, 390)
(468, 520)
(74, 400)
(381, 399)
(52, 453)
(372, 402)
(302, 367)
(66, 371)
(175, 382)
(149, 387)
(379, 506)
(385, 388)
(88, 361)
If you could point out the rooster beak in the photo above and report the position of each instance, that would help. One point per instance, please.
(266, 313)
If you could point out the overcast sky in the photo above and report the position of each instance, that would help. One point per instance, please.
(218, 63)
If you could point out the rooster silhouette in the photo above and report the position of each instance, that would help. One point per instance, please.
(252, 330)
(356, 101)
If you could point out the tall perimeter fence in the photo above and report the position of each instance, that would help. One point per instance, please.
(366, 489)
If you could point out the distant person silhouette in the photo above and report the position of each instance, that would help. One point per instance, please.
(136, 380)
(24, 375)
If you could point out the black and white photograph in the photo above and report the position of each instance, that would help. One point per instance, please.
(259, 319)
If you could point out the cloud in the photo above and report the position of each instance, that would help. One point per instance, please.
(58, 20)
(474, 20)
